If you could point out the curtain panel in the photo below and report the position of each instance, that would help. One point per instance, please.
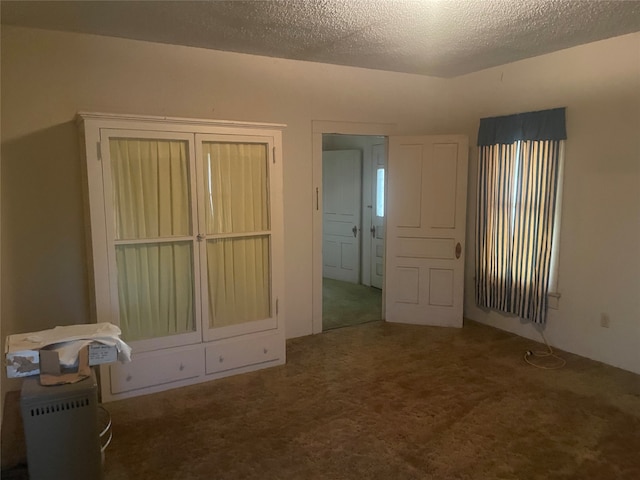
(237, 202)
(155, 289)
(236, 187)
(517, 189)
(151, 198)
(150, 188)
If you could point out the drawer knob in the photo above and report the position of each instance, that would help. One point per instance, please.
(181, 367)
(129, 377)
(221, 359)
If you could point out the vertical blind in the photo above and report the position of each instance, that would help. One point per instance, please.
(518, 170)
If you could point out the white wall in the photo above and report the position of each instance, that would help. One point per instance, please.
(49, 76)
(599, 269)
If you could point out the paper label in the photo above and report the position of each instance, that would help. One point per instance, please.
(99, 354)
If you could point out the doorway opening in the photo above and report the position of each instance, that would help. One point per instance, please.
(320, 128)
(423, 281)
(353, 220)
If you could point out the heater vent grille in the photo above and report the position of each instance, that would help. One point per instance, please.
(61, 430)
(56, 407)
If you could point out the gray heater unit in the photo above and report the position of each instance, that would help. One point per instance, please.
(61, 430)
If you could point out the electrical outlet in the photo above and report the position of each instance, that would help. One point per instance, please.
(604, 320)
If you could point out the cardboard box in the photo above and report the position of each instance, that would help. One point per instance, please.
(24, 363)
(52, 374)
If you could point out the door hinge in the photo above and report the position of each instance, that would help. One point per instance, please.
(99, 150)
(274, 154)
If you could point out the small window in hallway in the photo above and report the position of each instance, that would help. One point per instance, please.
(380, 192)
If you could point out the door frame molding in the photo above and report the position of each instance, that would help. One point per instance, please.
(318, 128)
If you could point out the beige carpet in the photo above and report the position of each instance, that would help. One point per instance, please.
(345, 304)
(383, 401)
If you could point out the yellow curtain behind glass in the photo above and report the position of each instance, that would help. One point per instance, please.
(155, 289)
(236, 187)
(150, 186)
(238, 270)
(237, 201)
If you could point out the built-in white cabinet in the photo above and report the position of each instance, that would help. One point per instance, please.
(185, 232)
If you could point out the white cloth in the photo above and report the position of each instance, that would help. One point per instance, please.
(69, 340)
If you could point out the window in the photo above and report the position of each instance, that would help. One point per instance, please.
(519, 180)
(380, 192)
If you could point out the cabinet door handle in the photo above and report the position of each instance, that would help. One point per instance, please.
(221, 359)
(265, 350)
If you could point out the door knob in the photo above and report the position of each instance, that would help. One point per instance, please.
(458, 250)
(355, 231)
(373, 231)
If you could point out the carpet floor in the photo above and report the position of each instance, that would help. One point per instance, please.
(386, 401)
(383, 401)
(345, 304)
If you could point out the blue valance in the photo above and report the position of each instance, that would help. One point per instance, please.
(541, 125)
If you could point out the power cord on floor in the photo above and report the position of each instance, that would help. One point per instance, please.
(530, 354)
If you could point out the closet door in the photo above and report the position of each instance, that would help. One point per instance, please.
(153, 259)
(239, 242)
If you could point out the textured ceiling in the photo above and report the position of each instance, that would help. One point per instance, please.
(429, 37)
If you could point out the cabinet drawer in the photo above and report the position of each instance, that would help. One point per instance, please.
(237, 353)
(156, 368)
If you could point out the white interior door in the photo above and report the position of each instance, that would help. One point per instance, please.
(426, 212)
(377, 215)
(341, 186)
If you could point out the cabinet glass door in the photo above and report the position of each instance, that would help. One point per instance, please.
(235, 234)
(153, 262)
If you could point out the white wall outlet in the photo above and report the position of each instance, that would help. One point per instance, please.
(604, 320)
